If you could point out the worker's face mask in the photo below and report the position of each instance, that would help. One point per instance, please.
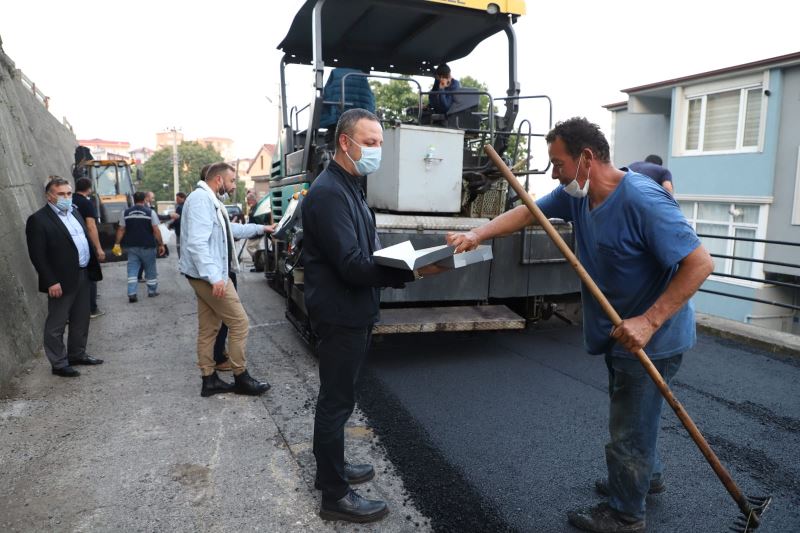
(370, 159)
(572, 187)
(64, 204)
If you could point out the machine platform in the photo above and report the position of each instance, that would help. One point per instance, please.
(459, 318)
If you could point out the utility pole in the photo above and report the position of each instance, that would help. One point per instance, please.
(175, 176)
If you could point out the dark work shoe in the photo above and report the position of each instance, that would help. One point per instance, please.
(245, 384)
(353, 508)
(354, 474)
(132, 298)
(656, 486)
(603, 519)
(153, 294)
(85, 360)
(214, 385)
(66, 372)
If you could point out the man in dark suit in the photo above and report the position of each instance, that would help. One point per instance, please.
(58, 245)
(342, 295)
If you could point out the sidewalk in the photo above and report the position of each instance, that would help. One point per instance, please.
(131, 446)
(762, 338)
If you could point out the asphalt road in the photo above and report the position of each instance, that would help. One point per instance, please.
(517, 423)
(506, 431)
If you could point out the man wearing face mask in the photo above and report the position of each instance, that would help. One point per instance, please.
(58, 246)
(208, 255)
(342, 296)
(647, 274)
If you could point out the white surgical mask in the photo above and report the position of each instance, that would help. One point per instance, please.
(370, 159)
(572, 187)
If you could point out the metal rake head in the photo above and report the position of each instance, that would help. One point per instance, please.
(752, 519)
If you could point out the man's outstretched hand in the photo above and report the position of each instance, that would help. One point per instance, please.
(463, 242)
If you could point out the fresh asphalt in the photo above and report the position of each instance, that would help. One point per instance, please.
(517, 423)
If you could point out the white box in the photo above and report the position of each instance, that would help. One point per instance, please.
(420, 171)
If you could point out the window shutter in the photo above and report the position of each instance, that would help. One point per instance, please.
(722, 121)
(752, 117)
(693, 124)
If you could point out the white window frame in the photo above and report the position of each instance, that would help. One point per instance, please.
(757, 269)
(743, 84)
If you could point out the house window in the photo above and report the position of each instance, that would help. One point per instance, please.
(726, 219)
(724, 121)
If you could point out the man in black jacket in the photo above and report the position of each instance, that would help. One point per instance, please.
(58, 245)
(342, 295)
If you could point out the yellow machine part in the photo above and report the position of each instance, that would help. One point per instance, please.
(514, 7)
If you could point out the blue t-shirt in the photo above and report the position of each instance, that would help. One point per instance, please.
(630, 245)
(651, 170)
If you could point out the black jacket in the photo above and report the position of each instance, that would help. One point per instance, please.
(341, 281)
(53, 252)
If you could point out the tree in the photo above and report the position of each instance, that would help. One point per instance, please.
(192, 156)
(392, 99)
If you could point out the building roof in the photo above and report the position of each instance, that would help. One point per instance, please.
(762, 64)
(103, 142)
(269, 148)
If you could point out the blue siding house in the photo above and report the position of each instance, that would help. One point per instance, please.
(731, 138)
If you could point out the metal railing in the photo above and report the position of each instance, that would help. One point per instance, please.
(31, 86)
(786, 284)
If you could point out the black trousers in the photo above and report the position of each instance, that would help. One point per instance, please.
(222, 335)
(341, 353)
(72, 306)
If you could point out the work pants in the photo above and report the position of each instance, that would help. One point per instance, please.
(72, 306)
(139, 256)
(211, 313)
(341, 352)
(634, 419)
(222, 336)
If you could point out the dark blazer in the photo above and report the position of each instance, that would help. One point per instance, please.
(341, 280)
(53, 252)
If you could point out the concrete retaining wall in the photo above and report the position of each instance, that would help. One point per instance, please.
(33, 145)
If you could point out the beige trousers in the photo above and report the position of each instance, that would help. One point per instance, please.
(211, 312)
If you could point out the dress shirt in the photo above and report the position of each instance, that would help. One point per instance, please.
(76, 232)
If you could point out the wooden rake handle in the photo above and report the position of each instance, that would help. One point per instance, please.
(609, 310)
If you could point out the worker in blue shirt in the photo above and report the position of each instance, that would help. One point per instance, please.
(652, 167)
(648, 276)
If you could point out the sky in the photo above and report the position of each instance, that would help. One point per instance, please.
(122, 70)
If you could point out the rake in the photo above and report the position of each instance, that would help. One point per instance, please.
(752, 508)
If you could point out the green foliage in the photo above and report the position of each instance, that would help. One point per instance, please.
(469, 81)
(391, 99)
(192, 156)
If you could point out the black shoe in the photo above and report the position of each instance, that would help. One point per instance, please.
(153, 294)
(214, 385)
(85, 360)
(132, 299)
(256, 270)
(656, 486)
(603, 519)
(353, 508)
(354, 474)
(96, 313)
(66, 372)
(245, 384)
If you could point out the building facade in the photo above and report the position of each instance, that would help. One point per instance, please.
(731, 140)
(261, 169)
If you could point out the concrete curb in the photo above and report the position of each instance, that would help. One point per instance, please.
(758, 337)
